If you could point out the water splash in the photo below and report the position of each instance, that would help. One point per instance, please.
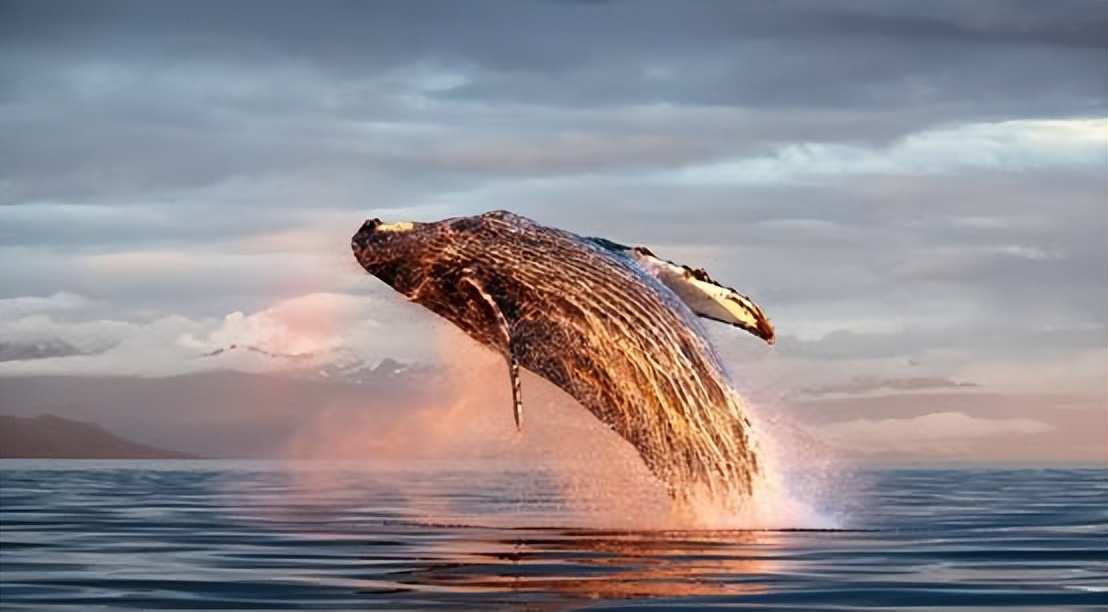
(790, 491)
(565, 469)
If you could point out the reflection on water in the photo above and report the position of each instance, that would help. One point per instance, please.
(267, 536)
(609, 565)
(523, 533)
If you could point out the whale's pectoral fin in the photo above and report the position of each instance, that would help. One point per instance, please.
(507, 347)
(701, 294)
(517, 392)
(706, 297)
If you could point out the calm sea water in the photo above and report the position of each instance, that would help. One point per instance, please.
(202, 534)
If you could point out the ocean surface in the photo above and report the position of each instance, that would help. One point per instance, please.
(267, 535)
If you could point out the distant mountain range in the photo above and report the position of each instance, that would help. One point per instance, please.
(226, 413)
(53, 437)
(333, 364)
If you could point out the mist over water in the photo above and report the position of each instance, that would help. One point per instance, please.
(600, 479)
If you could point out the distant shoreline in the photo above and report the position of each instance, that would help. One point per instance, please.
(53, 437)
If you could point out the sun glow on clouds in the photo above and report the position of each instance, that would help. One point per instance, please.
(1006, 146)
(301, 326)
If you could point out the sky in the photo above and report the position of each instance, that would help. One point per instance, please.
(915, 193)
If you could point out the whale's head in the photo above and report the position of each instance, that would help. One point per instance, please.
(393, 252)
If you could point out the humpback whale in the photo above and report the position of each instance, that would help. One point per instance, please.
(613, 326)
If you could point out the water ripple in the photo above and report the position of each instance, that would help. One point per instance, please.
(177, 535)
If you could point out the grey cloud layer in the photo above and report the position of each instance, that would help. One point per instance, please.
(174, 95)
(740, 53)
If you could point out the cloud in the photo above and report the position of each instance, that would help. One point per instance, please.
(562, 153)
(17, 351)
(864, 384)
(1009, 145)
(305, 325)
(11, 308)
(937, 432)
(130, 99)
(303, 334)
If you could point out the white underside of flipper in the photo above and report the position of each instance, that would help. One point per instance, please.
(706, 297)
